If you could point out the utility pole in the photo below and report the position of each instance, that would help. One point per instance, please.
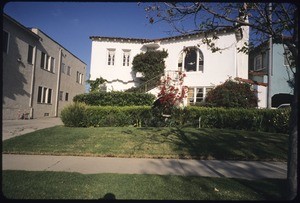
(270, 68)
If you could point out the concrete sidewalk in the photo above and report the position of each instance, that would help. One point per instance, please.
(13, 128)
(184, 167)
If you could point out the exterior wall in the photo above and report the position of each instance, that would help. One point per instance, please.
(218, 67)
(120, 77)
(280, 73)
(17, 72)
(21, 80)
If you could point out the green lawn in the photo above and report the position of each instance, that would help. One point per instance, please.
(152, 142)
(63, 185)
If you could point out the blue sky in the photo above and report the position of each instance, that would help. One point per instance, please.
(71, 24)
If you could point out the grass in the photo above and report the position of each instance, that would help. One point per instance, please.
(64, 185)
(218, 144)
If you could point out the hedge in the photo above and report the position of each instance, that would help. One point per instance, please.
(268, 120)
(115, 99)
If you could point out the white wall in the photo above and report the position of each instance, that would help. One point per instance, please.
(218, 66)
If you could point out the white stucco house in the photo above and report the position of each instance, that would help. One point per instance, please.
(112, 57)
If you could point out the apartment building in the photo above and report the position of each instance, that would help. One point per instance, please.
(40, 76)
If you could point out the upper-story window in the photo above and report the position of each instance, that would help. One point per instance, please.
(191, 59)
(79, 77)
(111, 57)
(30, 54)
(69, 70)
(47, 62)
(258, 62)
(126, 57)
(5, 41)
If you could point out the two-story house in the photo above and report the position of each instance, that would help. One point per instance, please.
(281, 73)
(40, 76)
(112, 57)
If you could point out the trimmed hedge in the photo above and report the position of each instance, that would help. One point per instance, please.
(268, 120)
(115, 99)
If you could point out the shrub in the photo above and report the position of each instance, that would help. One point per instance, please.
(268, 120)
(115, 99)
(74, 115)
(232, 94)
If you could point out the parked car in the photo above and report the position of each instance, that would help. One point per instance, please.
(284, 106)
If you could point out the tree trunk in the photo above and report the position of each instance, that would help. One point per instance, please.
(292, 175)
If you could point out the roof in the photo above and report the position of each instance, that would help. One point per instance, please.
(21, 26)
(141, 40)
(252, 82)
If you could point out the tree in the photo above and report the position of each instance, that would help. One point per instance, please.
(277, 22)
(232, 94)
(150, 64)
(94, 84)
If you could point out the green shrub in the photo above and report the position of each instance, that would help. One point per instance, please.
(74, 115)
(268, 120)
(232, 94)
(115, 99)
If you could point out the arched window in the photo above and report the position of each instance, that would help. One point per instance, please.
(191, 59)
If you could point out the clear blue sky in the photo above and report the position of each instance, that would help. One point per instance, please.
(71, 24)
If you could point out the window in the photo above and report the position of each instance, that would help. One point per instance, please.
(126, 57)
(61, 93)
(67, 96)
(49, 96)
(52, 64)
(5, 41)
(258, 62)
(197, 95)
(63, 67)
(47, 62)
(111, 57)
(40, 92)
(44, 95)
(30, 54)
(43, 56)
(79, 78)
(69, 70)
(191, 59)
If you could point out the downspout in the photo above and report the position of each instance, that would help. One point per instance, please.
(270, 72)
(58, 82)
(32, 83)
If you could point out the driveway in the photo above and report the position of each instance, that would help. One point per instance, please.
(13, 128)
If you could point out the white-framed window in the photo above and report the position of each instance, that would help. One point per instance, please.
(126, 57)
(258, 62)
(5, 42)
(111, 57)
(47, 62)
(191, 60)
(79, 77)
(44, 95)
(197, 95)
(30, 54)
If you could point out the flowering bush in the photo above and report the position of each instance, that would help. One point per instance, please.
(172, 92)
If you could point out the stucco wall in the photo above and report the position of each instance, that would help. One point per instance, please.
(218, 66)
(17, 72)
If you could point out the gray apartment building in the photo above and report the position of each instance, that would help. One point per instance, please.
(40, 76)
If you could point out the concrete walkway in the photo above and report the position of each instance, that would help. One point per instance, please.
(184, 167)
(13, 128)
